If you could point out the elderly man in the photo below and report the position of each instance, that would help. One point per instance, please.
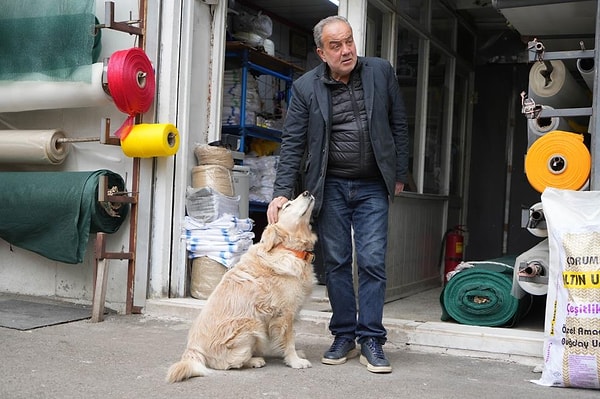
(345, 139)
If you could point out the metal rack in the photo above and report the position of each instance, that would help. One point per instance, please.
(102, 256)
(538, 53)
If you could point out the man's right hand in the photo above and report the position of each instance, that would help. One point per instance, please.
(274, 207)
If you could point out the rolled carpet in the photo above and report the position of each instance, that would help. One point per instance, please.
(481, 295)
(53, 213)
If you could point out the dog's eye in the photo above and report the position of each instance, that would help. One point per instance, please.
(286, 205)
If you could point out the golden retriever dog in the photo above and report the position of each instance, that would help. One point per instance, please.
(251, 311)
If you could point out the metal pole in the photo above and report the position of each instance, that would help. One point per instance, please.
(595, 119)
(501, 4)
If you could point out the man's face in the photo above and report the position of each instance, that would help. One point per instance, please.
(339, 50)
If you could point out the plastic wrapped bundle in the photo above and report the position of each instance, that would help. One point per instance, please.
(206, 205)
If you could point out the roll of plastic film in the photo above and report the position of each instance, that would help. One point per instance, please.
(33, 147)
(561, 90)
(558, 159)
(149, 140)
(536, 224)
(587, 70)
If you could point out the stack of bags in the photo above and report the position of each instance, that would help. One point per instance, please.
(215, 235)
(232, 98)
(262, 177)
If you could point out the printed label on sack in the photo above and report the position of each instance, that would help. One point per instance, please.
(581, 331)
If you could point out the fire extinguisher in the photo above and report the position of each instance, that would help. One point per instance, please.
(454, 249)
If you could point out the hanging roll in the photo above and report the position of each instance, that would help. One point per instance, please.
(33, 147)
(148, 140)
(35, 94)
(531, 271)
(131, 83)
(551, 83)
(128, 81)
(536, 224)
(587, 69)
(537, 127)
(560, 160)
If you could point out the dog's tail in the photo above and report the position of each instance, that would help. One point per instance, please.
(187, 367)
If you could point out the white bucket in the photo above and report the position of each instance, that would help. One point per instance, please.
(241, 187)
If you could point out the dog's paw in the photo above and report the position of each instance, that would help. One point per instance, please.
(256, 362)
(298, 363)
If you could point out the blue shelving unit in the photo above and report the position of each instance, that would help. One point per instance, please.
(251, 60)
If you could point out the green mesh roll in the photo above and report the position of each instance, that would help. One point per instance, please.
(481, 296)
(53, 213)
(46, 38)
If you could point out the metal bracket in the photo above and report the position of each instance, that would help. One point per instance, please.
(105, 194)
(126, 26)
(529, 107)
(537, 52)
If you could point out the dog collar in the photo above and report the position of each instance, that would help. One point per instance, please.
(304, 255)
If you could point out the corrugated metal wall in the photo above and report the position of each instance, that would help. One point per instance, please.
(416, 228)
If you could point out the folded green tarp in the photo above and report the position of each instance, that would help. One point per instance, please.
(481, 295)
(53, 213)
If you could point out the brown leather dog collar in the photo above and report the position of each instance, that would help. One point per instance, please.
(304, 255)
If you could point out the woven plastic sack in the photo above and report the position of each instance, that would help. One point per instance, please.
(206, 274)
(217, 177)
(213, 155)
(572, 323)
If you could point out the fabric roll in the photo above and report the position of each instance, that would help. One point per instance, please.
(53, 213)
(33, 147)
(536, 224)
(480, 295)
(530, 269)
(560, 160)
(31, 92)
(538, 127)
(561, 90)
(587, 70)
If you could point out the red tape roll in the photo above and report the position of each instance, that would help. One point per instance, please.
(131, 83)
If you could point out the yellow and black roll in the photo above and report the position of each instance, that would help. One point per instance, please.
(558, 159)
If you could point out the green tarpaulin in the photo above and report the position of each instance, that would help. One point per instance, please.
(481, 295)
(53, 213)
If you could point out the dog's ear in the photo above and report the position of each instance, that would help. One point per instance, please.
(271, 236)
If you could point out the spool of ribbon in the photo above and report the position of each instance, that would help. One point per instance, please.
(131, 83)
(148, 140)
(558, 159)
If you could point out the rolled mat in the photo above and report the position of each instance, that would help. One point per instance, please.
(53, 213)
(481, 295)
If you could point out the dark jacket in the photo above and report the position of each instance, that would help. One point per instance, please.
(305, 137)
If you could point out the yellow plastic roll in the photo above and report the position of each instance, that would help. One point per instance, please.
(558, 159)
(148, 140)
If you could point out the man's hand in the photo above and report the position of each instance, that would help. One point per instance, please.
(274, 207)
(399, 187)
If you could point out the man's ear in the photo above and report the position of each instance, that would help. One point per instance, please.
(320, 53)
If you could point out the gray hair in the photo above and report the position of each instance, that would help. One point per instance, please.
(318, 29)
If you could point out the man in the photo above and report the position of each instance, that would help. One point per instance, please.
(345, 140)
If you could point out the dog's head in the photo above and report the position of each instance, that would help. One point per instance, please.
(293, 227)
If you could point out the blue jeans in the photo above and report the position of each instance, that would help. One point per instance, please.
(362, 205)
